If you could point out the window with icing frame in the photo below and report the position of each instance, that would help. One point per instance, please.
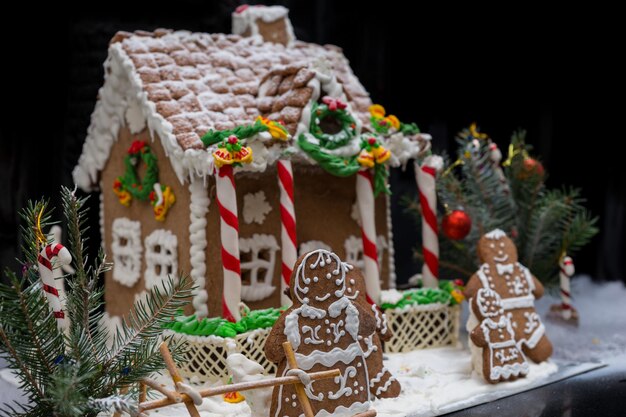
(354, 250)
(161, 257)
(258, 260)
(126, 250)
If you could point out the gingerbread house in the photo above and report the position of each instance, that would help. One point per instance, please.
(224, 156)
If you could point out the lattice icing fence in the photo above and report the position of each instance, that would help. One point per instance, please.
(206, 356)
(422, 326)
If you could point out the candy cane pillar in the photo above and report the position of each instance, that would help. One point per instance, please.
(365, 203)
(567, 270)
(51, 257)
(287, 226)
(229, 234)
(425, 176)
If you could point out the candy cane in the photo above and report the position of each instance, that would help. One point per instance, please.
(229, 233)
(51, 257)
(425, 176)
(287, 226)
(365, 203)
(567, 271)
(496, 156)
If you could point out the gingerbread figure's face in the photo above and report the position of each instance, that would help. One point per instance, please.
(496, 247)
(319, 278)
(488, 304)
(355, 285)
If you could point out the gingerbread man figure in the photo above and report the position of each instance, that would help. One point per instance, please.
(323, 326)
(517, 287)
(495, 354)
(382, 383)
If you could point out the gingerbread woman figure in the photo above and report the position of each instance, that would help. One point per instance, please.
(495, 354)
(517, 287)
(382, 383)
(323, 326)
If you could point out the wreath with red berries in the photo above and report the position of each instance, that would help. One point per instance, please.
(333, 110)
(130, 182)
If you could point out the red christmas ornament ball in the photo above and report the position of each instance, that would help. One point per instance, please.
(456, 224)
(531, 167)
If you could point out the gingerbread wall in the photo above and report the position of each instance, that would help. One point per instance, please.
(323, 212)
(119, 298)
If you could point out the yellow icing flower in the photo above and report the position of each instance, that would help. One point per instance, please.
(222, 157)
(458, 296)
(366, 159)
(381, 154)
(161, 210)
(277, 130)
(233, 397)
(377, 111)
(393, 121)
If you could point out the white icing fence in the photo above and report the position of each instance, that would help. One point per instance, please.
(206, 356)
(422, 326)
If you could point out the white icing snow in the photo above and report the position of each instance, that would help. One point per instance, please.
(134, 117)
(198, 209)
(391, 296)
(495, 234)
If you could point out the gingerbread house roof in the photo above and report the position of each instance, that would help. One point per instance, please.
(184, 84)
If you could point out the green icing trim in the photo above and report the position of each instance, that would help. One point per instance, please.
(130, 180)
(343, 167)
(242, 132)
(332, 140)
(424, 296)
(217, 326)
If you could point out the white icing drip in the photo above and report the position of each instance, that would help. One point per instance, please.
(495, 234)
(391, 252)
(198, 209)
(385, 387)
(260, 286)
(161, 257)
(255, 207)
(126, 248)
(190, 391)
(134, 117)
(101, 220)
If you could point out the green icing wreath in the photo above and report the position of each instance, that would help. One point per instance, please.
(320, 112)
(130, 182)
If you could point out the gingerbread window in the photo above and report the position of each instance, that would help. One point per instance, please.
(258, 259)
(126, 249)
(354, 250)
(161, 257)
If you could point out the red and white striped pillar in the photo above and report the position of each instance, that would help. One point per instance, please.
(288, 239)
(567, 271)
(426, 176)
(366, 204)
(229, 234)
(51, 257)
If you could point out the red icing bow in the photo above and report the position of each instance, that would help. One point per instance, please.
(333, 103)
(136, 146)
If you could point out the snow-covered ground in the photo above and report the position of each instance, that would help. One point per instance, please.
(438, 380)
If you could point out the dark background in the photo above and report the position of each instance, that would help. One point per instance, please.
(551, 72)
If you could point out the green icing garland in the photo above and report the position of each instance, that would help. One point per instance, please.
(423, 296)
(242, 132)
(332, 140)
(217, 326)
(343, 167)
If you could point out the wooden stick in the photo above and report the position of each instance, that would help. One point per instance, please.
(143, 392)
(243, 386)
(173, 396)
(304, 400)
(171, 367)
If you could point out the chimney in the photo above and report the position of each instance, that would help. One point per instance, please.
(270, 22)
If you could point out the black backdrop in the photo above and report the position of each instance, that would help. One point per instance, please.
(550, 72)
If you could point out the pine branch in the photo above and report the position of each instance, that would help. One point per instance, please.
(16, 360)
